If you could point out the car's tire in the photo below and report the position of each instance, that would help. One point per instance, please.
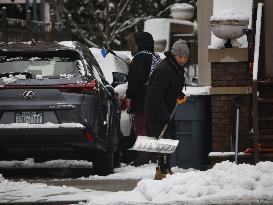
(117, 156)
(104, 163)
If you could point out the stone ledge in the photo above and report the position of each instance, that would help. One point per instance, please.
(228, 55)
(231, 90)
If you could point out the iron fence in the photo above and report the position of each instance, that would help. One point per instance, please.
(19, 30)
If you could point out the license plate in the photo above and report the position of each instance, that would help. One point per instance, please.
(29, 117)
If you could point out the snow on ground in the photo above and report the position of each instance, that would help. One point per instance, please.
(146, 171)
(225, 183)
(29, 163)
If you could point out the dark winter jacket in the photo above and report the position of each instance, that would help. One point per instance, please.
(139, 72)
(164, 87)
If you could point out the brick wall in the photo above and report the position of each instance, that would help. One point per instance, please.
(229, 74)
(223, 122)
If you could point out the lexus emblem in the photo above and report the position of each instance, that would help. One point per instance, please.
(28, 94)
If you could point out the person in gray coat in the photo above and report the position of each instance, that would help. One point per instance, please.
(164, 90)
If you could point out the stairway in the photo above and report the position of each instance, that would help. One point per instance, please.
(263, 120)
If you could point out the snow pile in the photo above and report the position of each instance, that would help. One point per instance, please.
(229, 14)
(225, 183)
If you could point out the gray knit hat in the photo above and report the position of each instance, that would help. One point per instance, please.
(180, 48)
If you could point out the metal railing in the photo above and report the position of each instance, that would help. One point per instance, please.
(17, 30)
(255, 83)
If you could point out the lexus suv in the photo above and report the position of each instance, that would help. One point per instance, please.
(55, 103)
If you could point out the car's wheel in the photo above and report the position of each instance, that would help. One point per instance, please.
(117, 156)
(118, 134)
(104, 163)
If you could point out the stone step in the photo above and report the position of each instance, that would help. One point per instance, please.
(265, 100)
(217, 157)
(265, 118)
(266, 137)
(266, 131)
(266, 155)
(265, 82)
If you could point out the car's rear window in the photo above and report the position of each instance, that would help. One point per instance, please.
(55, 64)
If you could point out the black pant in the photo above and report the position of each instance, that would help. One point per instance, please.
(156, 128)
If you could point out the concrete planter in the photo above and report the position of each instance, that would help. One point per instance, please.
(228, 29)
(182, 11)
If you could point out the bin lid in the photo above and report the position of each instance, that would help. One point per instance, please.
(196, 90)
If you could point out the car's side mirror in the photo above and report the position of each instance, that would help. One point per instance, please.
(119, 78)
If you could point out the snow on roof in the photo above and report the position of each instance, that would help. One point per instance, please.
(69, 44)
(160, 27)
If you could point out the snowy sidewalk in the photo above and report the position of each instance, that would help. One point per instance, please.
(225, 183)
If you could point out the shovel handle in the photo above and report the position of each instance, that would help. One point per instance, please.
(113, 53)
(167, 124)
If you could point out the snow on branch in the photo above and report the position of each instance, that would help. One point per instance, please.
(114, 23)
(79, 30)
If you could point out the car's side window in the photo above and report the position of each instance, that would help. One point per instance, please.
(96, 68)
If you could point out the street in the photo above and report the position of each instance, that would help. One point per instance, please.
(77, 177)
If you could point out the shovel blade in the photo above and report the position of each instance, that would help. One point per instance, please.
(151, 144)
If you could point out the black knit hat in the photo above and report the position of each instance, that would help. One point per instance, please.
(144, 41)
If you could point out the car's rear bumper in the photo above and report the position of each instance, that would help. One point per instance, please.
(43, 135)
(54, 141)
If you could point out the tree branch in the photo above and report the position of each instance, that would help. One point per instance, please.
(127, 25)
(79, 30)
(114, 23)
(163, 11)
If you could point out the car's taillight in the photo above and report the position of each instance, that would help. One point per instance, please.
(88, 88)
(122, 102)
(88, 136)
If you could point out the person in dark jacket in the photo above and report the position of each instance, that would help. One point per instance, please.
(138, 76)
(164, 90)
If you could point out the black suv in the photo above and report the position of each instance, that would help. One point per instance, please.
(56, 104)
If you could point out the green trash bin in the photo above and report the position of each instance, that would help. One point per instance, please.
(193, 130)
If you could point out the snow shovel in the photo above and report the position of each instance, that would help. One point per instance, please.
(105, 50)
(160, 145)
